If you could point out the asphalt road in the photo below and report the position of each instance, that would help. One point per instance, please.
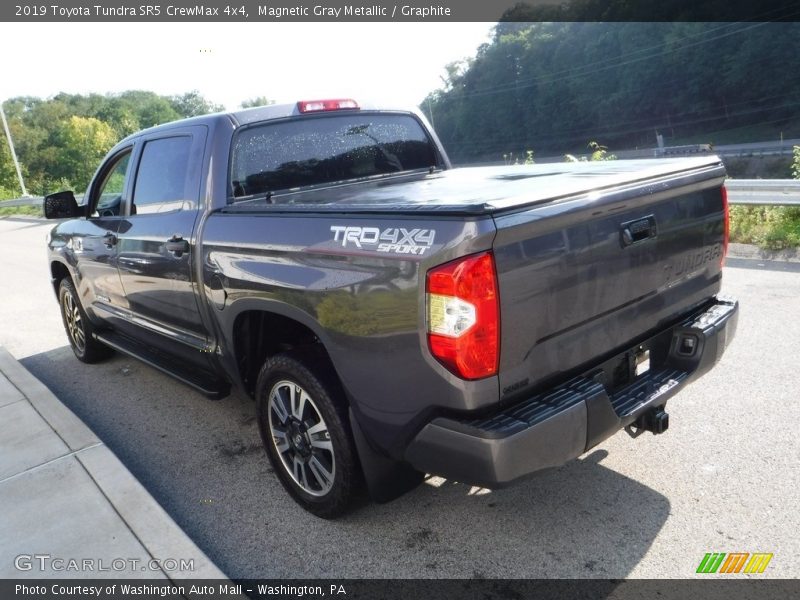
(724, 478)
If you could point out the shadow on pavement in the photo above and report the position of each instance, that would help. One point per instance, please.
(203, 462)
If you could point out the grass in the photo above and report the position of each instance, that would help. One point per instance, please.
(16, 211)
(769, 227)
(20, 211)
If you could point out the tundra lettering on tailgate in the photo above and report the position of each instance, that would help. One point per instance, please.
(392, 239)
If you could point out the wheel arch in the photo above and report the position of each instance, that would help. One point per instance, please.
(261, 329)
(386, 478)
(58, 272)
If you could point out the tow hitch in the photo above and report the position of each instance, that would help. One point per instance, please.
(655, 419)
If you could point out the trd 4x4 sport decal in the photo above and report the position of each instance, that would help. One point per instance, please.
(391, 239)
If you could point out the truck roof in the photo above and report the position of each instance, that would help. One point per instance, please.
(257, 114)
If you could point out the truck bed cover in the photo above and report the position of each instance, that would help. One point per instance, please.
(483, 190)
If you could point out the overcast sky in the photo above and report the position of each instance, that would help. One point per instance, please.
(396, 63)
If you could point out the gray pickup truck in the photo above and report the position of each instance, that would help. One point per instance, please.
(390, 315)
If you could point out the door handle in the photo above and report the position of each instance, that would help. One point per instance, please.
(637, 231)
(109, 240)
(177, 245)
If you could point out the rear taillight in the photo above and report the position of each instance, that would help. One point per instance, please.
(727, 219)
(464, 317)
(305, 106)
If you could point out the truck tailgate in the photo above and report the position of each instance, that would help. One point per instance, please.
(591, 274)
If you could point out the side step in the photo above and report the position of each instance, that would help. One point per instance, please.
(203, 382)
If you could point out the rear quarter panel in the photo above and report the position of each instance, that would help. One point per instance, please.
(366, 306)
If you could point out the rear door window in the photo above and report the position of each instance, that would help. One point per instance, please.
(307, 151)
(163, 176)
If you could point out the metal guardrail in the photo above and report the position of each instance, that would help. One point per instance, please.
(764, 192)
(27, 201)
(754, 192)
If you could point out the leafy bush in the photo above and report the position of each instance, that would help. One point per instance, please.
(510, 160)
(599, 152)
(770, 227)
(8, 194)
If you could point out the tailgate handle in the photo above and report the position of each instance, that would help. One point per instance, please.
(637, 231)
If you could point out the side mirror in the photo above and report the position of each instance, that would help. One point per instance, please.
(62, 205)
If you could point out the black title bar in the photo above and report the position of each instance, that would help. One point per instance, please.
(710, 588)
(177, 11)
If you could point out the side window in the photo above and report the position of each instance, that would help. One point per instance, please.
(162, 177)
(107, 197)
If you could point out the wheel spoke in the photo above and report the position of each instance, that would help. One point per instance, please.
(322, 444)
(299, 398)
(319, 436)
(321, 474)
(277, 404)
(300, 472)
(280, 440)
(291, 390)
(72, 318)
(79, 337)
(318, 428)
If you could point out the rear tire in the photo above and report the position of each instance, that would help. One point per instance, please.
(78, 327)
(306, 434)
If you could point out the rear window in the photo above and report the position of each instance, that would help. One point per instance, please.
(319, 150)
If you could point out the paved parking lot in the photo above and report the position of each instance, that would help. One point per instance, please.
(724, 478)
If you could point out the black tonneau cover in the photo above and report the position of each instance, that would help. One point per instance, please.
(482, 190)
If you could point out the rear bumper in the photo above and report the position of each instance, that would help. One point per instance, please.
(560, 424)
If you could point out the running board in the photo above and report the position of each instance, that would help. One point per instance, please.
(204, 383)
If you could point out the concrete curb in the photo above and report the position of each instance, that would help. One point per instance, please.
(145, 518)
(751, 252)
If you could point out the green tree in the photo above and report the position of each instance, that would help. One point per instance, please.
(149, 108)
(553, 85)
(84, 142)
(257, 101)
(54, 149)
(8, 176)
(192, 104)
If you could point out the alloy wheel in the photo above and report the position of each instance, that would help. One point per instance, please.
(301, 438)
(72, 318)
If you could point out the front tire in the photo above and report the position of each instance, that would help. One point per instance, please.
(78, 327)
(306, 434)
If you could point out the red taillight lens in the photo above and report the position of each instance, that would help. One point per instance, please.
(727, 218)
(464, 317)
(305, 106)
